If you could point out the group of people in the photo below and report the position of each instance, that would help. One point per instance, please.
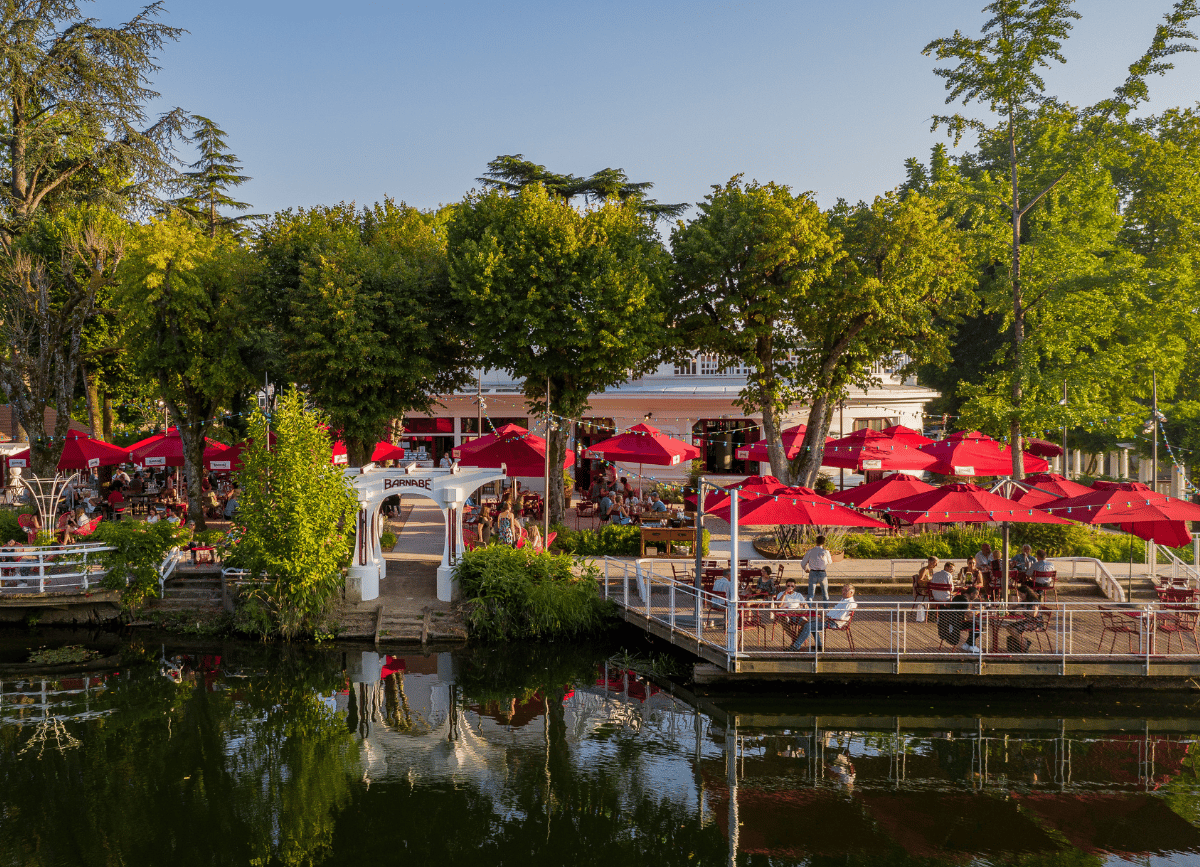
(505, 527)
(940, 583)
(617, 501)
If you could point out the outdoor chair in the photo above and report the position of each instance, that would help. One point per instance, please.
(1118, 623)
(1177, 623)
(1043, 582)
(844, 627)
(25, 522)
(921, 592)
(585, 509)
(1040, 628)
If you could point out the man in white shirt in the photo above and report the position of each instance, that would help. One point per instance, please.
(789, 596)
(941, 583)
(815, 562)
(445, 463)
(837, 618)
(983, 558)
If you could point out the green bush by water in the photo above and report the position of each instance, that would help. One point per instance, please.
(612, 539)
(956, 543)
(515, 594)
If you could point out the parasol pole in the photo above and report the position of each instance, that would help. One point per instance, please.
(1129, 580)
(1004, 563)
(699, 558)
(546, 493)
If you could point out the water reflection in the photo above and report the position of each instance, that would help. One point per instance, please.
(259, 755)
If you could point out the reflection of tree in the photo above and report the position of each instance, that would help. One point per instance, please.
(178, 775)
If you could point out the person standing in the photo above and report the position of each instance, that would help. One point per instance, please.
(507, 527)
(816, 563)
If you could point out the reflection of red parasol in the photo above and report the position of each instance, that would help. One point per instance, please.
(965, 503)
(970, 453)
(887, 490)
(1136, 824)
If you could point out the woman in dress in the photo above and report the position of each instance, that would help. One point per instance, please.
(508, 529)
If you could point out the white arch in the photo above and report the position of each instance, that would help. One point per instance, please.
(448, 488)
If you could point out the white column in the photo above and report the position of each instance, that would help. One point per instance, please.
(731, 616)
(1123, 473)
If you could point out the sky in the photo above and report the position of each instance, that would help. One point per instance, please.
(358, 100)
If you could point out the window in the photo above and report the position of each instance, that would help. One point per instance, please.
(686, 368)
(429, 425)
(719, 439)
(871, 423)
(706, 364)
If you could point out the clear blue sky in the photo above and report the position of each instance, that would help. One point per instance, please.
(356, 100)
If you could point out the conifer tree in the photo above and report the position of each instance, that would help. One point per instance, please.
(206, 186)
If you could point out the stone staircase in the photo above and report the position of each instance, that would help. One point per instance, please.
(194, 588)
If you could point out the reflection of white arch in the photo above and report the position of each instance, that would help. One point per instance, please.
(448, 488)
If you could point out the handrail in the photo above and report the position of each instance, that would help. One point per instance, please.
(62, 567)
(1105, 580)
(1191, 574)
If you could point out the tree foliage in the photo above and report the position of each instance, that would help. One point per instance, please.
(293, 516)
(566, 299)
(359, 302)
(744, 270)
(183, 297)
(206, 186)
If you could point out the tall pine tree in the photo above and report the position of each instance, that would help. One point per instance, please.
(205, 187)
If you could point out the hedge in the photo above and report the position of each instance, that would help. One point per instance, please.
(612, 539)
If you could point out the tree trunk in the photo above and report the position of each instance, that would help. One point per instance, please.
(92, 389)
(358, 452)
(775, 451)
(1014, 431)
(556, 452)
(820, 416)
(108, 419)
(193, 465)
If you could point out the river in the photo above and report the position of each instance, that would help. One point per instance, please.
(232, 753)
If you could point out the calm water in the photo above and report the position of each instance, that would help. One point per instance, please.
(243, 754)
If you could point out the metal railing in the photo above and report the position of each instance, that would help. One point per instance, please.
(1108, 584)
(1054, 632)
(51, 569)
(1182, 574)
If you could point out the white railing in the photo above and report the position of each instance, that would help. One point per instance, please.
(51, 569)
(1109, 585)
(1182, 574)
(1057, 631)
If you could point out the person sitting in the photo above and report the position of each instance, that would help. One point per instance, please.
(983, 558)
(1027, 603)
(121, 476)
(656, 504)
(619, 514)
(136, 485)
(231, 504)
(941, 583)
(837, 618)
(534, 540)
(1024, 562)
(969, 576)
(625, 489)
(766, 580)
(789, 596)
(116, 499)
(923, 577)
(1041, 581)
(599, 488)
(604, 506)
(957, 617)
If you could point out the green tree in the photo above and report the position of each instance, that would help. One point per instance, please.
(744, 269)
(512, 173)
(183, 297)
(206, 185)
(293, 514)
(900, 264)
(570, 301)
(358, 302)
(1002, 71)
(73, 131)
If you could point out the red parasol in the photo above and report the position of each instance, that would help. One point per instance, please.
(386, 452)
(887, 490)
(644, 444)
(1046, 488)
(965, 503)
(1042, 448)
(795, 506)
(80, 452)
(519, 451)
(872, 450)
(750, 485)
(1136, 507)
(906, 435)
(166, 450)
(970, 453)
(233, 455)
(792, 438)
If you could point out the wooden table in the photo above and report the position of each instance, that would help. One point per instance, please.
(666, 539)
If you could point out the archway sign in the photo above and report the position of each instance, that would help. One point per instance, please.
(447, 487)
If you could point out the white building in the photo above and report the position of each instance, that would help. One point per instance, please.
(694, 401)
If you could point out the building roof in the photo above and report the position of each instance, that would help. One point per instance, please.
(8, 430)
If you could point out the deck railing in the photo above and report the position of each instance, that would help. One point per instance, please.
(52, 568)
(1057, 632)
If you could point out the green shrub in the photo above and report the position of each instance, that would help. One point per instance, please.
(611, 539)
(387, 541)
(515, 594)
(138, 551)
(9, 528)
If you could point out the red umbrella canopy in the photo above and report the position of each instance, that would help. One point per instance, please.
(792, 438)
(386, 452)
(750, 485)
(486, 440)
(965, 503)
(794, 506)
(233, 454)
(906, 435)
(872, 450)
(970, 453)
(1136, 507)
(80, 452)
(887, 490)
(643, 444)
(1046, 488)
(1042, 448)
(1173, 534)
(520, 452)
(166, 450)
